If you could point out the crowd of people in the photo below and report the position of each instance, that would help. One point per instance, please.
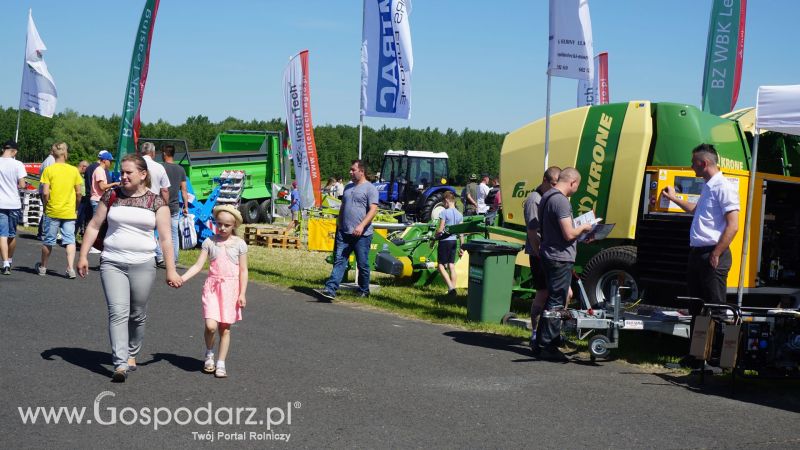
(483, 198)
(135, 220)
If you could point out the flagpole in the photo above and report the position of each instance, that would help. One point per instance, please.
(748, 217)
(547, 125)
(21, 83)
(360, 135)
(16, 133)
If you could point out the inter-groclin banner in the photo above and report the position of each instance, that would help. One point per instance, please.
(297, 94)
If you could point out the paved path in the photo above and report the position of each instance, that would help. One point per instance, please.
(353, 377)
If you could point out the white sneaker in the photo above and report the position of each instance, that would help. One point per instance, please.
(42, 271)
(94, 251)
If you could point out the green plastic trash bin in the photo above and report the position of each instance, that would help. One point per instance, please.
(491, 277)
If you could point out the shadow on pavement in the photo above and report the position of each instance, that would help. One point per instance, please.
(315, 297)
(90, 360)
(492, 341)
(781, 394)
(513, 345)
(185, 363)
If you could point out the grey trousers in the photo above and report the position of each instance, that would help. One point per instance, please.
(127, 288)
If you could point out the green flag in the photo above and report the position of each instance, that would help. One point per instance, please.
(137, 77)
(724, 54)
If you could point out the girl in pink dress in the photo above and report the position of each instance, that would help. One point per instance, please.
(225, 287)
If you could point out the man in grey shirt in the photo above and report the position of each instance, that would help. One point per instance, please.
(177, 184)
(353, 231)
(533, 243)
(558, 252)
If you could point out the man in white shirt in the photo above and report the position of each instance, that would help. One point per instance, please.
(483, 191)
(714, 225)
(159, 184)
(12, 178)
(159, 181)
(339, 187)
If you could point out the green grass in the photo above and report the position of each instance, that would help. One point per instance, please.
(302, 271)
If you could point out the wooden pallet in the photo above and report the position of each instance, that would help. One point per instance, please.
(252, 233)
(278, 241)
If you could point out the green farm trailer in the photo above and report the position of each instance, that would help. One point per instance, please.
(257, 153)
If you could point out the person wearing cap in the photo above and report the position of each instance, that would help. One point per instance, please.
(99, 179)
(12, 178)
(469, 196)
(62, 185)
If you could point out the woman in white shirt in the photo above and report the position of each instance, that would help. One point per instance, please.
(127, 263)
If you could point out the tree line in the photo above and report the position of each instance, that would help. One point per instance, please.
(470, 151)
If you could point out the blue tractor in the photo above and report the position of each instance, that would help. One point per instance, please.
(414, 182)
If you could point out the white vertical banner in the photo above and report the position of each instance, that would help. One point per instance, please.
(386, 59)
(297, 94)
(588, 89)
(38, 93)
(571, 54)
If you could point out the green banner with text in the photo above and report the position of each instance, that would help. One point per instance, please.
(137, 77)
(724, 55)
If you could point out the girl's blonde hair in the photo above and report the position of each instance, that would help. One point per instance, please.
(237, 216)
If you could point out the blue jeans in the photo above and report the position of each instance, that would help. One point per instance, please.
(84, 215)
(51, 228)
(344, 245)
(9, 219)
(175, 239)
(558, 276)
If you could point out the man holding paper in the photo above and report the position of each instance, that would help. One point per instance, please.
(558, 250)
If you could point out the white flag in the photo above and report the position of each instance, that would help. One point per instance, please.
(386, 59)
(38, 92)
(571, 52)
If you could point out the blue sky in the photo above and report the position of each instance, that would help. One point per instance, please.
(477, 64)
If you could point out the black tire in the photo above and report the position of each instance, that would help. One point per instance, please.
(434, 202)
(508, 316)
(264, 211)
(612, 266)
(249, 210)
(598, 347)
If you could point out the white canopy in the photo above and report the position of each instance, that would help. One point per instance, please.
(778, 109)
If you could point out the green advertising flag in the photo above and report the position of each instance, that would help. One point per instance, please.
(137, 77)
(724, 54)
